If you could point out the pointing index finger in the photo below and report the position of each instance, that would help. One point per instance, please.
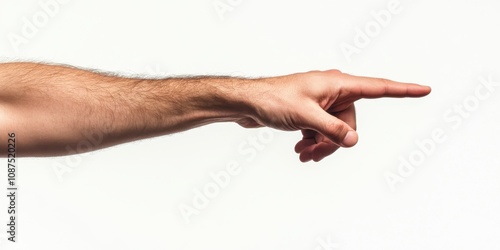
(368, 87)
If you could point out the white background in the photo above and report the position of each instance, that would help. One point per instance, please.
(128, 196)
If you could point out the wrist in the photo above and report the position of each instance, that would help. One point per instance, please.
(235, 98)
(207, 100)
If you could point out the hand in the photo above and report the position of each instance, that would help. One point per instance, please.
(321, 105)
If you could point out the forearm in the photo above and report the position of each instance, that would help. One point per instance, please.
(53, 108)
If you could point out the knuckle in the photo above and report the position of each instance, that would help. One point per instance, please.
(334, 71)
(338, 130)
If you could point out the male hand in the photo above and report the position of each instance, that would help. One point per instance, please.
(321, 105)
(58, 107)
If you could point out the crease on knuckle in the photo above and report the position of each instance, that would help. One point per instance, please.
(338, 131)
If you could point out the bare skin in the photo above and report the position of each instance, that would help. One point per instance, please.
(51, 108)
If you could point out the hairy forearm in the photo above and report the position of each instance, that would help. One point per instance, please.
(53, 108)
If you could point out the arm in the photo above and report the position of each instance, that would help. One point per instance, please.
(53, 107)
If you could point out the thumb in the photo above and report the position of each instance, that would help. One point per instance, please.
(333, 128)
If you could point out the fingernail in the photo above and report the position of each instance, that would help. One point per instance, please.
(350, 139)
